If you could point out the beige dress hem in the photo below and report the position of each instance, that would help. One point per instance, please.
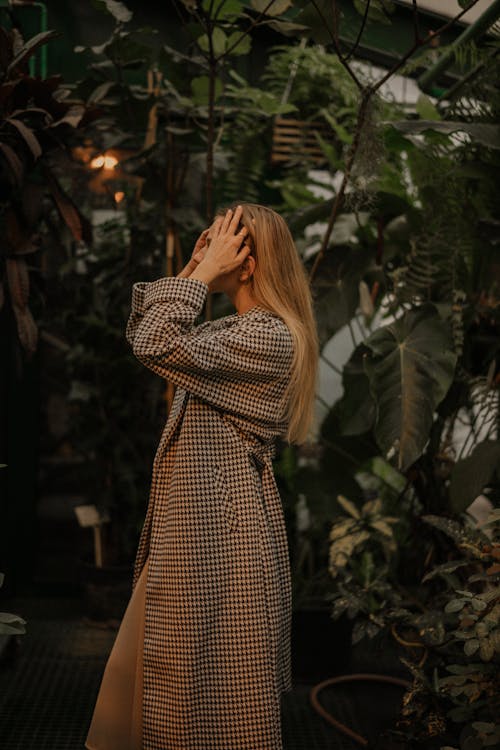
(117, 719)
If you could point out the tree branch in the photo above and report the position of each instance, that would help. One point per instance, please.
(367, 93)
(422, 43)
(360, 32)
(336, 44)
(416, 27)
(339, 198)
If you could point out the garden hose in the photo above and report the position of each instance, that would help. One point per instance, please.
(349, 678)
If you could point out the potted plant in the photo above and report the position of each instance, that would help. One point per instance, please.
(11, 625)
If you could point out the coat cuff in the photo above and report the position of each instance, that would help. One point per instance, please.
(138, 290)
(176, 289)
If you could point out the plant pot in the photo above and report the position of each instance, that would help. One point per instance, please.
(321, 646)
(107, 590)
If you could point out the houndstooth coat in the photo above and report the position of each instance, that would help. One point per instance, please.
(218, 592)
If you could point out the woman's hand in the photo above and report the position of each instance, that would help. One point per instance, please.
(197, 255)
(226, 251)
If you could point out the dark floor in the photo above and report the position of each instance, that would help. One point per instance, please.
(48, 687)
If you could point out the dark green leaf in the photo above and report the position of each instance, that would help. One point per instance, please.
(470, 475)
(485, 133)
(445, 569)
(378, 10)
(200, 89)
(243, 46)
(78, 225)
(471, 538)
(27, 135)
(426, 109)
(30, 48)
(410, 371)
(223, 10)
(271, 7)
(219, 41)
(356, 409)
(118, 10)
(288, 28)
(100, 92)
(15, 164)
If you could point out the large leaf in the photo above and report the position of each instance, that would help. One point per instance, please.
(27, 135)
(18, 278)
(287, 28)
(30, 48)
(238, 44)
(76, 222)
(337, 288)
(223, 10)
(426, 109)
(14, 163)
(11, 624)
(319, 19)
(116, 9)
(219, 42)
(26, 329)
(19, 238)
(301, 218)
(410, 371)
(72, 117)
(485, 133)
(466, 537)
(356, 409)
(470, 475)
(5, 48)
(271, 7)
(378, 10)
(200, 88)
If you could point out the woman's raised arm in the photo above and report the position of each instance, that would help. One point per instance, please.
(237, 367)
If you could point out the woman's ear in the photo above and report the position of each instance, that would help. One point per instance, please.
(247, 269)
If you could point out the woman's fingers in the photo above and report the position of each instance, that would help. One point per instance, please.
(233, 225)
(226, 221)
(201, 241)
(242, 254)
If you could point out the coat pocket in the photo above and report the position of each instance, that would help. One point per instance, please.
(227, 500)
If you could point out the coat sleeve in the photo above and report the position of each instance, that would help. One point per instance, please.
(241, 367)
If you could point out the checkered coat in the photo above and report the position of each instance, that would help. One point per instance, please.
(218, 592)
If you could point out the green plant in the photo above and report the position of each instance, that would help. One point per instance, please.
(167, 133)
(10, 624)
(361, 547)
(116, 410)
(36, 125)
(455, 683)
(414, 241)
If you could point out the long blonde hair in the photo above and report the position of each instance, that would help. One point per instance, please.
(280, 284)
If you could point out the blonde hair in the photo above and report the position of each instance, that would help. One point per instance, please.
(279, 283)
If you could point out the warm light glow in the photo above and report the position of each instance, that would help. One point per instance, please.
(108, 162)
(119, 197)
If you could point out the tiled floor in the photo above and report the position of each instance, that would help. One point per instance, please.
(47, 693)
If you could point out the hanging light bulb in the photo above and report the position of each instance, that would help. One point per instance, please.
(103, 161)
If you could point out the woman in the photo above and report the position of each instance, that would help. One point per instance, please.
(203, 651)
